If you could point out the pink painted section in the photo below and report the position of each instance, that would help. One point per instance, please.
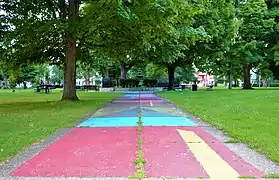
(137, 101)
(235, 161)
(146, 96)
(167, 155)
(86, 152)
(126, 101)
(168, 135)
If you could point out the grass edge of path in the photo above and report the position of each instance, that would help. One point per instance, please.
(79, 117)
(226, 131)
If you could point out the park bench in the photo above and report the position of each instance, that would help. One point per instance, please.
(209, 88)
(44, 88)
(91, 87)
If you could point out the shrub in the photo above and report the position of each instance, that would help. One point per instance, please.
(129, 83)
(150, 82)
(108, 83)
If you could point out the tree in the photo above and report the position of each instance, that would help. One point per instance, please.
(272, 39)
(26, 73)
(193, 38)
(57, 76)
(255, 27)
(155, 71)
(47, 31)
(186, 74)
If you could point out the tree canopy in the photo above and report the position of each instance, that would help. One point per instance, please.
(223, 37)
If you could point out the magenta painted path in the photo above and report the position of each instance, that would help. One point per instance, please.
(86, 152)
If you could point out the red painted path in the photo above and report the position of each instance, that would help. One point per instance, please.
(86, 152)
(168, 155)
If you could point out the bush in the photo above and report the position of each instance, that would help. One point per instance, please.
(12, 82)
(108, 83)
(129, 83)
(256, 85)
(150, 82)
(274, 85)
(164, 82)
(97, 82)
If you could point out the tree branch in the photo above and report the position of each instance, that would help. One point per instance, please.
(82, 39)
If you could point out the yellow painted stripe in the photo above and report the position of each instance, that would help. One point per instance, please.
(151, 104)
(213, 164)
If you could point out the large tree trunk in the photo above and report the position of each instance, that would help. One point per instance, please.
(171, 70)
(124, 70)
(247, 77)
(69, 91)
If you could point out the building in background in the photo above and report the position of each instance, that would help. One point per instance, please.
(204, 79)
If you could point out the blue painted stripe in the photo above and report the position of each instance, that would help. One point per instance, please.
(132, 121)
(110, 122)
(167, 121)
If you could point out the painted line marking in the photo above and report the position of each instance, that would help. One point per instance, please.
(151, 104)
(213, 164)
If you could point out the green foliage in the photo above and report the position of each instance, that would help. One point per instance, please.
(57, 76)
(150, 82)
(27, 73)
(98, 82)
(185, 74)
(155, 71)
(12, 82)
(256, 24)
(129, 83)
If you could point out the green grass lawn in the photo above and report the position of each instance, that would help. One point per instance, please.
(27, 117)
(250, 117)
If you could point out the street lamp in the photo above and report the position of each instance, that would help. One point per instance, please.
(140, 76)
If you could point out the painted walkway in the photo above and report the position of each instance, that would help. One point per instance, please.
(105, 145)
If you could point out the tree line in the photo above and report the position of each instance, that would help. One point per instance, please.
(223, 37)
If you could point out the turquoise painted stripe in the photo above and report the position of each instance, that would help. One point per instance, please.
(132, 121)
(167, 121)
(110, 122)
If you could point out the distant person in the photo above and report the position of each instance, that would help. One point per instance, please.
(42, 82)
(194, 86)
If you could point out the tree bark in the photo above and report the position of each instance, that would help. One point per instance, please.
(230, 79)
(235, 83)
(171, 70)
(106, 73)
(264, 82)
(124, 70)
(5, 81)
(24, 85)
(246, 77)
(69, 91)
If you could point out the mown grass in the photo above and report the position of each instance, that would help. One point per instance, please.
(250, 117)
(27, 117)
